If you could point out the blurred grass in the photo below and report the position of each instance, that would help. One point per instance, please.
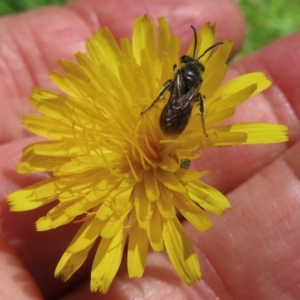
(267, 20)
(14, 6)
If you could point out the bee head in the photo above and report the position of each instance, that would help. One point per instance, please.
(186, 60)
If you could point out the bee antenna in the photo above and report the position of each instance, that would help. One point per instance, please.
(208, 49)
(195, 39)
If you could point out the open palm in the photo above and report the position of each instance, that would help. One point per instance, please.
(252, 252)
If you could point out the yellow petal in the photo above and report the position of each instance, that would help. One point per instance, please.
(143, 207)
(113, 225)
(223, 136)
(144, 39)
(262, 133)
(181, 252)
(228, 105)
(33, 196)
(70, 263)
(63, 149)
(51, 107)
(48, 127)
(169, 180)
(78, 185)
(103, 49)
(239, 84)
(81, 206)
(74, 69)
(137, 251)
(207, 197)
(168, 49)
(186, 176)
(216, 69)
(154, 231)
(104, 186)
(86, 235)
(56, 217)
(39, 163)
(107, 261)
(193, 213)
(151, 186)
(165, 203)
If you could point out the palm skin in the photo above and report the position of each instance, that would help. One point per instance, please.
(252, 252)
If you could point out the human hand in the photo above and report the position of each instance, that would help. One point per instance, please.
(235, 262)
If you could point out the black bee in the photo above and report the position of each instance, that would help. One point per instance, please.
(184, 92)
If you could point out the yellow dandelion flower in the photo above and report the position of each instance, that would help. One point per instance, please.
(113, 169)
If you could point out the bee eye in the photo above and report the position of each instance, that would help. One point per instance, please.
(183, 58)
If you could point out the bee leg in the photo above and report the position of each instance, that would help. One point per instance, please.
(201, 100)
(168, 84)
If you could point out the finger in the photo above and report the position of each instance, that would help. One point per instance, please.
(15, 279)
(179, 14)
(31, 43)
(231, 166)
(254, 247)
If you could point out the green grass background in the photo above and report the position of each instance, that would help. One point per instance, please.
(267, 20)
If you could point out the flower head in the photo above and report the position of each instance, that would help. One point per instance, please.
(113, 169)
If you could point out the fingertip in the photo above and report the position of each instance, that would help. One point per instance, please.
(15, 279)
(119, 16)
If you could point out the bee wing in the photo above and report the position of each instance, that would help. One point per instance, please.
(177, 113)
(182, 94)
